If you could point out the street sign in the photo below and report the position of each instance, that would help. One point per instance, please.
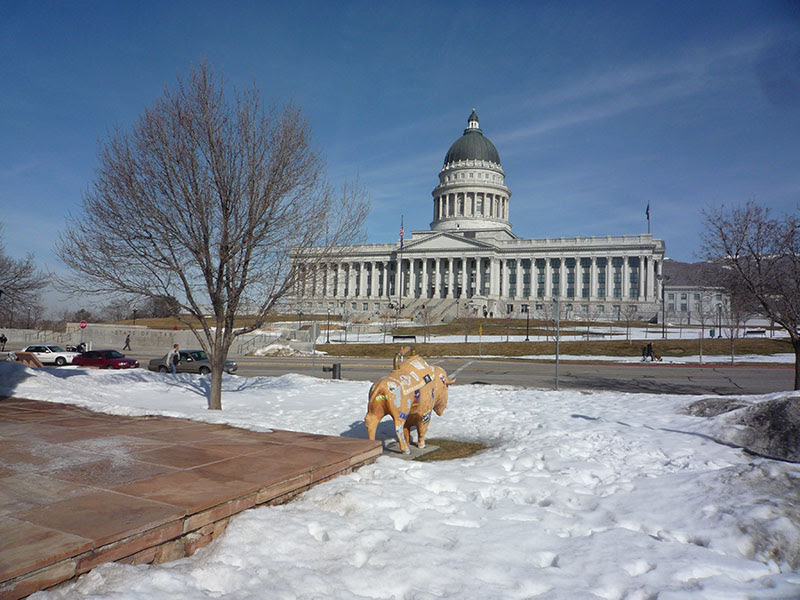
(83, 324)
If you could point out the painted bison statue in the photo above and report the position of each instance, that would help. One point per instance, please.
(408, 394)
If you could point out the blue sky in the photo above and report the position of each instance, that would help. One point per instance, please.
(595, 108)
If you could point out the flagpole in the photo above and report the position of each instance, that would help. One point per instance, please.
(647, 212)
(400, 291)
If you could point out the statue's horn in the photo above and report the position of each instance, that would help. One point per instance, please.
(451, 381)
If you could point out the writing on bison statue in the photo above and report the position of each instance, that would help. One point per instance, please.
(409, 394)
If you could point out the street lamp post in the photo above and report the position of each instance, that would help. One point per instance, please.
(299, 320)
(527, 323)
(663, 281)
(328, 330)
(134, 314)
(719, 321)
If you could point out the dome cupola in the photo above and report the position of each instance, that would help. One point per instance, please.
(471, 195)
(472, 145)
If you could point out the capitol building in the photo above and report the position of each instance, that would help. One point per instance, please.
(471, 263)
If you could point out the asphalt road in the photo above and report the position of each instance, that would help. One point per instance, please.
(648, 377)
(639, 377)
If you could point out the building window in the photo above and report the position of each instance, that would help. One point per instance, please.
(540, 266)
(555, 265)
(633, 265)
(601, 277)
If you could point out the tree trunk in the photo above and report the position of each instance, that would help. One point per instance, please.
(732, 350)
(701, 344)
(215, 390)
(796, 344)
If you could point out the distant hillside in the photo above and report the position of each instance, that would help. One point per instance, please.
(699, 273)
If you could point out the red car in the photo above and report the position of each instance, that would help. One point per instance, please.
(105, 359)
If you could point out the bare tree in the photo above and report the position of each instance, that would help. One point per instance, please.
(629, 314)
(735, 315)
(20, 284)
(203, 201)
(705, 312)
(762, 256)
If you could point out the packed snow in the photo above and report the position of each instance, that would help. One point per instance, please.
(580, 495)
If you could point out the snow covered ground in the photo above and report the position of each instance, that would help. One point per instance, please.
(580, 496)
(357, 334)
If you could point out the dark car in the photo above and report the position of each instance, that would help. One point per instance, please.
(105, 359)
(192, 361)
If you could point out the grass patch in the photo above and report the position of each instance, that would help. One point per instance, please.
(450, 450)
(678, 348)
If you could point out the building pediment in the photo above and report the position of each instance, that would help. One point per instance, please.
(446, 241)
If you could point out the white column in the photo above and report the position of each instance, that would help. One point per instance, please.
(506, 279)
(626, 284)
(362, 284)
(548, 279)
(412, 277)
(451, 277)
(494, 277)
(397, 290)
(425, 277)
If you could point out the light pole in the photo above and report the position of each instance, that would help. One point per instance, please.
(328, 330)
(527, 323)
(299, 320)
(134, 314)
(663, 281)
(719, 321)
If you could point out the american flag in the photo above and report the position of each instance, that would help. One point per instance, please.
(647, 212)
(401, 233)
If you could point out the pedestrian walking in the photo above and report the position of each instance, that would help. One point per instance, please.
(127, 345)
(3, 340)
(174, 359)
(650, 352)
(644, 353)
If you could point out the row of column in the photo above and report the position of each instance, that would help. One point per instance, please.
(451, 277)
(470, 204)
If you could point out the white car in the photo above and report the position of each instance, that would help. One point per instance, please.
(54, 355)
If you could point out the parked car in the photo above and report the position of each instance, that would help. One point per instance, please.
(192, 361)
(51, 355)
(105, 359)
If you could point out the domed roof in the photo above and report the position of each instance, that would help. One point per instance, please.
(472, 145)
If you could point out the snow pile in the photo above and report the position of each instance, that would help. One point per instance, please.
(770, 428)
(580, 495)
(277, 349)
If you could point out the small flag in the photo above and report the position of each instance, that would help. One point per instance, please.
(647, 212)
(401, 233)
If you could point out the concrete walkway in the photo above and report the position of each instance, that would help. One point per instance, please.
(78, 488)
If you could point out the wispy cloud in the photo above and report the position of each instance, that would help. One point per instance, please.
(611, 93)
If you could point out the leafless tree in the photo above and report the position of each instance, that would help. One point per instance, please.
(706, 312)
(762, 256)
(629, 314)
(204, 200)
(20, 286)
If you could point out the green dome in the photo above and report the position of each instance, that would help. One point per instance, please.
(472, 145)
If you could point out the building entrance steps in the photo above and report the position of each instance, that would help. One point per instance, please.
(78, 488)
